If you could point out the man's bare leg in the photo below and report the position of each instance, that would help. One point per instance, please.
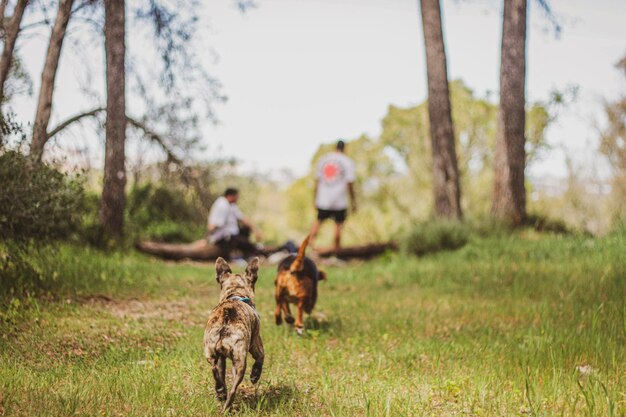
(313, 232)
(338, 228)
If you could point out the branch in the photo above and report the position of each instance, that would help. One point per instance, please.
(154, 137)
(73, 119)
(3, 6)
(545, 5)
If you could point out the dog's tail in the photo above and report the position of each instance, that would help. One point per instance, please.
(298, 263)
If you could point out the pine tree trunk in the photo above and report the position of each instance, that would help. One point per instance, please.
(445, 170)
(44, 105)
(509, 197)
(10, 36)
(113, 197)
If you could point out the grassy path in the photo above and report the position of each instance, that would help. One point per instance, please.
(524, 326)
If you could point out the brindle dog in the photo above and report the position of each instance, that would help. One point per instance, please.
(233, 329)
(296, 282)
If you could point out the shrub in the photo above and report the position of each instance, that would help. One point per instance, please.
(37, 200)
(162, 213)
(172, 232)
(542, 223)
(434, 236)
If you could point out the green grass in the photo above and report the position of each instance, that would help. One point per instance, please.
(521, 325)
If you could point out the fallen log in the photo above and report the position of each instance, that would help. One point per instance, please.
(358, 252)
(200, 250)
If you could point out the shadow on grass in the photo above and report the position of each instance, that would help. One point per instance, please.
(321, 324)
(268, 398)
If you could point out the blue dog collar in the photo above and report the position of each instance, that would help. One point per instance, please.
(244, 299)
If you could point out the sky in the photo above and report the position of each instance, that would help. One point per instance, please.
(299, 73)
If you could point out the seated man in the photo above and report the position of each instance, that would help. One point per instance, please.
(224, 218)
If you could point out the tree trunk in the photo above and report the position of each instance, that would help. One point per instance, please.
(44, 106)
(113, 197)
(509, 196)
(11, 32)
(445, 170)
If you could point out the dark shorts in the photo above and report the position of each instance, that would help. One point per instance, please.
(338, 215)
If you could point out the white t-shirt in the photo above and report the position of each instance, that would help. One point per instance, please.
(224, 215)
(333, 174)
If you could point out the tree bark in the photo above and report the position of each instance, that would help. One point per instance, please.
(11, 32)
(44, 105)
(509, 196)
(445, 170)
(113, 195)
(200, 250)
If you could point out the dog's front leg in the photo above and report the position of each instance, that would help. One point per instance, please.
(287, 312)
(277, 316)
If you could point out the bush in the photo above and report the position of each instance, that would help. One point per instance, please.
(542, 223)
(434, 236)
(161, 213)
(172, 232)
(37, 200)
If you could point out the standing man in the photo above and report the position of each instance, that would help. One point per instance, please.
(334, 181)
(224, 230)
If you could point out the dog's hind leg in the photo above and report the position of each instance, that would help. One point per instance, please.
(239, 369)
(299, 326)
(218, 366)
(258, 353)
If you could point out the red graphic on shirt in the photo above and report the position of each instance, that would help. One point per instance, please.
(330, 171)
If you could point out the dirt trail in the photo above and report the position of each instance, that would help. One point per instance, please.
(186, 310)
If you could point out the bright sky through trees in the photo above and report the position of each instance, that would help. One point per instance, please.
(300, 73)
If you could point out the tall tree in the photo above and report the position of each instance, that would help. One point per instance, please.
(509, 196)
(113, 197)
(48, 75)
(10, 36)
(445, 170)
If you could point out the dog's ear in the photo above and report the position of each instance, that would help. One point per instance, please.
(221, 267)
(252, 270)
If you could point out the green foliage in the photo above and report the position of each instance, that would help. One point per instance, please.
(434, 236)
(159, 212)
(394, 172)
(37, 201)
(300, 204)
(171, 231)
(406, 131)
(543, 223)
(156, 203)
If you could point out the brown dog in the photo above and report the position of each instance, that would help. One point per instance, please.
(296, 282)
(233, 329)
